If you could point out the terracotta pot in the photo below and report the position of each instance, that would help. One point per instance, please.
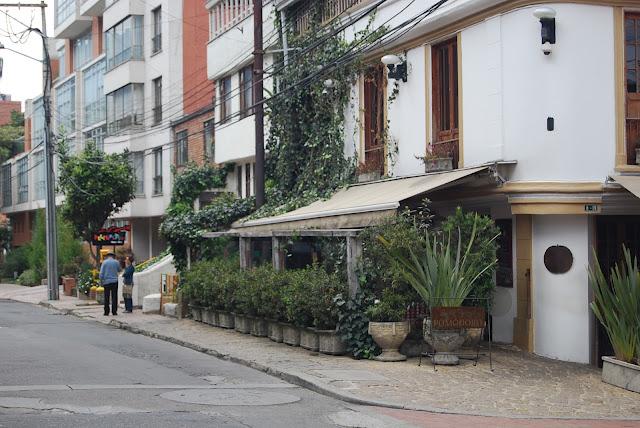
(330, 343)
(389, 336)
(444, 342)
(290, 334)
(226, 319)
(242, 324)
(309, 339)
(258, 326)
(274, 331)
(68, 284)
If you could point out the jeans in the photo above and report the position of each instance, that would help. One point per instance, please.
(111, 293)
(128, 304)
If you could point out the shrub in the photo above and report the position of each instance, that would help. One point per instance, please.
(391, 307)
(15, 261)
(353, 325)
(30, 278)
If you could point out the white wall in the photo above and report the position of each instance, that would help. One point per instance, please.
(561, 301)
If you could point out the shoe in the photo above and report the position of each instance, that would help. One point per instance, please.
(106, 314)
(114, 314)
(128, 312)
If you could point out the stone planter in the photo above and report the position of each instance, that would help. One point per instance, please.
(242, 323)
(274, 331)
(309, 339)
(621, 374)
(330, 343)
(214, 319)
(389, 336)
(444, 342)
(438, 164)
(68, 284)
(208, 316)
(226, 319)
(196, 312)
(368, 176)
(473, 336)
(258, 326)
(290, 334)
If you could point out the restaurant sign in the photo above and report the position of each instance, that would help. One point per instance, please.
(443, 318)
(111, 236)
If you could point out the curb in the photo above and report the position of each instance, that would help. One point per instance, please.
(304, 382)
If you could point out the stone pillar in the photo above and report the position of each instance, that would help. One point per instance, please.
(245, 253)
(277, 253)
(354, 254)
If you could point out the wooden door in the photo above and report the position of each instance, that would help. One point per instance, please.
(444, 60)
(374, 119)
(632, 84)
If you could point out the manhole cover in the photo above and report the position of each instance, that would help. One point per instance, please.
(230, 397)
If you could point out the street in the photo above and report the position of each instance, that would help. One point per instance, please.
(60, 371)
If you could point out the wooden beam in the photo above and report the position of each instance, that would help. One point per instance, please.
(277, 253)
(354, 255)
(245, 253)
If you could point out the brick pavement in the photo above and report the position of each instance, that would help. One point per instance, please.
(521, 386)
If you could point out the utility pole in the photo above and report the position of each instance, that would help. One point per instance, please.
(258, 98)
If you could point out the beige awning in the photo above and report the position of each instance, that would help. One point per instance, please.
(360, 205)
(629, 182)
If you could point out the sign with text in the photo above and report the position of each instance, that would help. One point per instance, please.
(443, 318)
(111, 236)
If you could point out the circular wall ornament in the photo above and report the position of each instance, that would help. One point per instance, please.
(558, 259)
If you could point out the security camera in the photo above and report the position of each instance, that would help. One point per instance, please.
(547, 48)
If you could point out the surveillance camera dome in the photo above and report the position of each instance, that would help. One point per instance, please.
(547, 48)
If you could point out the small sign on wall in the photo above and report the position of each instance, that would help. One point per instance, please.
(592, 208)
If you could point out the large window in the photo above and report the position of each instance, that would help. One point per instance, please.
(125, 107)
(94, 100)
(6, 185)
(156, 38)
(182, 148)
(157, 171)
(137, 162)
(37, 124)
(209, 140)
(38, 175)
(157, 100)
(62, 61)
(124, 41)
(632, 76)
(374, 119)
(64, 9)
(23, 179)
(66, 106)
(225, 99)
(96, 135)
(445, 100)
(82, 50)
(246, 91)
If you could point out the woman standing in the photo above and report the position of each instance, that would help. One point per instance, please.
(127, 290)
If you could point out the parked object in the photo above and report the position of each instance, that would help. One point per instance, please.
(389, 336)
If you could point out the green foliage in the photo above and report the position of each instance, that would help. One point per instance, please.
(6, 234)
(16, 260)
(10, 135)
(95, 185)
(194, 179)
(152, 261)
(441, 275)
(86, 279)
(391, 307)
(616, 304)
(29, 278)
(353, 325)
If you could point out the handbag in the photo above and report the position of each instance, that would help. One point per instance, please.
(127, 291)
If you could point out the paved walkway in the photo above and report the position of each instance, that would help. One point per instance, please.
(521, 386)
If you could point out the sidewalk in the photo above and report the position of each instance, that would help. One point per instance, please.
(521, 386)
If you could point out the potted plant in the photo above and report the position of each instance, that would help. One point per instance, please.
(388, 325)
(297, 315)
(368, 172)
(273, 305)
(325, 314)
(616, 304)
(434, 162)
(443, 277)
(242, 306)
(258, 280)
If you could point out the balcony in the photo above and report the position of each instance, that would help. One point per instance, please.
(119, 10)
(92, 7)
(236, 141)
(303, 13)
(69, 23)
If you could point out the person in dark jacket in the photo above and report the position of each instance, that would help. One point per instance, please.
(127, 290)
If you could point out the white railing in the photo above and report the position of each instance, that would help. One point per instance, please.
(225, 14)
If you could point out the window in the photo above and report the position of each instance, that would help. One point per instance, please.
(37, 124)
(246, 91)
(137, 163)
(66, 106)
(38, 176)
(96, 135)
(445, 100)
(225, 99)
(157, 100)
(238, 181)
(374, 122)
(632, 75)
(64, 9)
(124, 41)
(156, 38)
(157, 171)
(209, 144)
(124, 108)
(6, 185)
(247, 180)
(182, 151)
(504, 269)
(62, 61)
(82, 50)
(94, 99)
(23, 179)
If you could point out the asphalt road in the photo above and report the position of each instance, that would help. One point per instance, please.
(60, 371)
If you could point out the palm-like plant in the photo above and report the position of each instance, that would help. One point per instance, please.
(440, 274)
(616, 304)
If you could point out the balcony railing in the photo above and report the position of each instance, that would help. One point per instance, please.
(128, 121)
(319, 12)
(228, 13)
(134, 52)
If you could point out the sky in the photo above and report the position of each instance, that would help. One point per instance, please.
(22, 77)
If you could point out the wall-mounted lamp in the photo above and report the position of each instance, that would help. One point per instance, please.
(397, 67)
(328, 85)
(547, 17)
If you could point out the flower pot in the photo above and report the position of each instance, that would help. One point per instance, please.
(309, 339)
(330, 343)
(242, 324)
(258, 326)
(368, 176)
(68, 284)
(196, 312)
(274, 331)
(82, 296)
(226, 319)
(621, 374)
(290, 334)
(444, 342)
(389, 336)
(438, 164)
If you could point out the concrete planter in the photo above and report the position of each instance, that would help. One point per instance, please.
(438, 164)
(389, 336)
(309, 339)
(242, 323)
(226, 319)
(445, 343)
(196, 312)
(214, 319)
(274, 331)
(82, 296)
(330, 343)
(365, 177)
(290, 334)
(208, 316)
(258, 326)
(621, 374)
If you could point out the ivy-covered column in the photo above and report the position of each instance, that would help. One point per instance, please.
(245, 252)
(354, 254)
(277, 253)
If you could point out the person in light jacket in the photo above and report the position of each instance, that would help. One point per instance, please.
(127, 277)
(109, 280)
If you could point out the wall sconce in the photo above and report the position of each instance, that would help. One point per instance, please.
(547, 17)
(328, 85)
(397, 67)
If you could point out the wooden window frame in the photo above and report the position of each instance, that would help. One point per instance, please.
(374, 103)
(246, 104)
(225, 97)
(182, 148)
(631, 99)
(445, 100)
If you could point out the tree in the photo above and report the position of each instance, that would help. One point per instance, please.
(96, 185)
(10, 134)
